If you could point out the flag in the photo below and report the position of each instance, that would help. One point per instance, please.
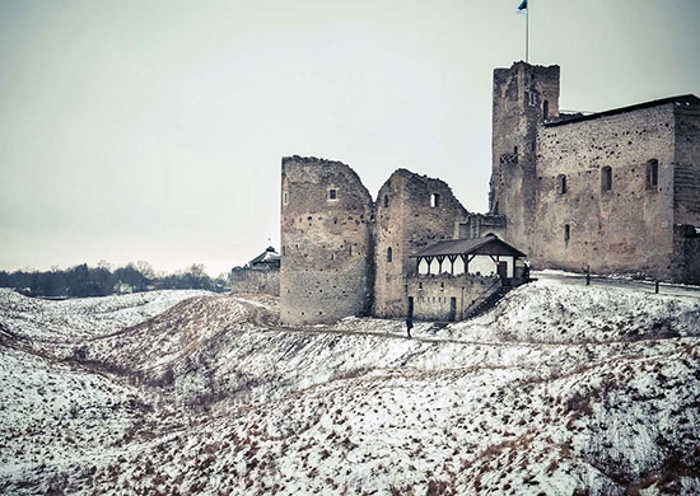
(523, 5)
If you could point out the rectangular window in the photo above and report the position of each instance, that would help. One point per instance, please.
(332, 194)
(285, 198)
(567, 233)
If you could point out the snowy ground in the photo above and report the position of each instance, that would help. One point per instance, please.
(560, 389)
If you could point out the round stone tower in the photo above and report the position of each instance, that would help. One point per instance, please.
(326, 235)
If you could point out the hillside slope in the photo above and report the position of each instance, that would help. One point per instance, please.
(558, 390)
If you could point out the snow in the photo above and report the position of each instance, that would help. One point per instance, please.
(558, 389)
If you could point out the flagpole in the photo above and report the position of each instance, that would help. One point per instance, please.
(527, 33)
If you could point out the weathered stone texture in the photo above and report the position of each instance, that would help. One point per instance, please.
(326, 265)
(579, 191)
(246, 280)
(413, 211)
(521, 95)
(447, 298)
(626, 228)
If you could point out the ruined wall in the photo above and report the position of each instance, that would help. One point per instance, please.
(413, 212)
(621, 227)
(523, 97)
(326, 226)
(481, 225)
(247, 280)
(445, 297)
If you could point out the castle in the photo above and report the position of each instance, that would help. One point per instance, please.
(617, 191)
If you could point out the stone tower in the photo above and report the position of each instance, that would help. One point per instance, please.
(524, 96)
(326, 261)
(413, 212)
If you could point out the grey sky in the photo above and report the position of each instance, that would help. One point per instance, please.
(153, 130)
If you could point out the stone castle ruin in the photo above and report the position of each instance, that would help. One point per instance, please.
(617, 191)
(344, 254)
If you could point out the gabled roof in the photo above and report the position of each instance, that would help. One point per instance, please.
(489, 245)
(681, 100)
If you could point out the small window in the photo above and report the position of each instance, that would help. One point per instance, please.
(285, 198)
(545, 110)
(652, 174)
(606, 179)
(386, 201)
(420, 286)
(532, 98)
(562, 184)
(389, 254)
(567, 233)
(332, 194)
(434, 200)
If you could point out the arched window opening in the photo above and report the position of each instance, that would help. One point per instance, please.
(606, 179)
(389, 254)
(434, 200)
(652, 174)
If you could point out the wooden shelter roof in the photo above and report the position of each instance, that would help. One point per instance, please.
(489, 245)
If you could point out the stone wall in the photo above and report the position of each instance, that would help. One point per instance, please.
(413, 211)
(686, 262)
(604, 191)
(624, 226)
(445, 297)
(326, 233)
(247, 280)
(687, 165)
(523, 97)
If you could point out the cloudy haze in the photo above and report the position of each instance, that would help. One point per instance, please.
(154, 130)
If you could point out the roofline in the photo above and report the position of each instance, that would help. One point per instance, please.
(687, 99)
(485, 240)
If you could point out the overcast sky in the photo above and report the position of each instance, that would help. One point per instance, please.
(154, 130)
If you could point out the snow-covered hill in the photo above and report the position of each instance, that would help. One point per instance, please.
(558, 390)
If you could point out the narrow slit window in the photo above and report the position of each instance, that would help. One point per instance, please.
(562, 184)
(386, 201)
(389, 254)
(332, 194)
(652, 174)
(567, 233)
(434, 200)
(606, 179)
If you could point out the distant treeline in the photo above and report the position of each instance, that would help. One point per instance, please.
(81, 280)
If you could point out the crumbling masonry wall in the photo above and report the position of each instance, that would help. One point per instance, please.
(413, 211)
(523, 97)
(326, 261)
